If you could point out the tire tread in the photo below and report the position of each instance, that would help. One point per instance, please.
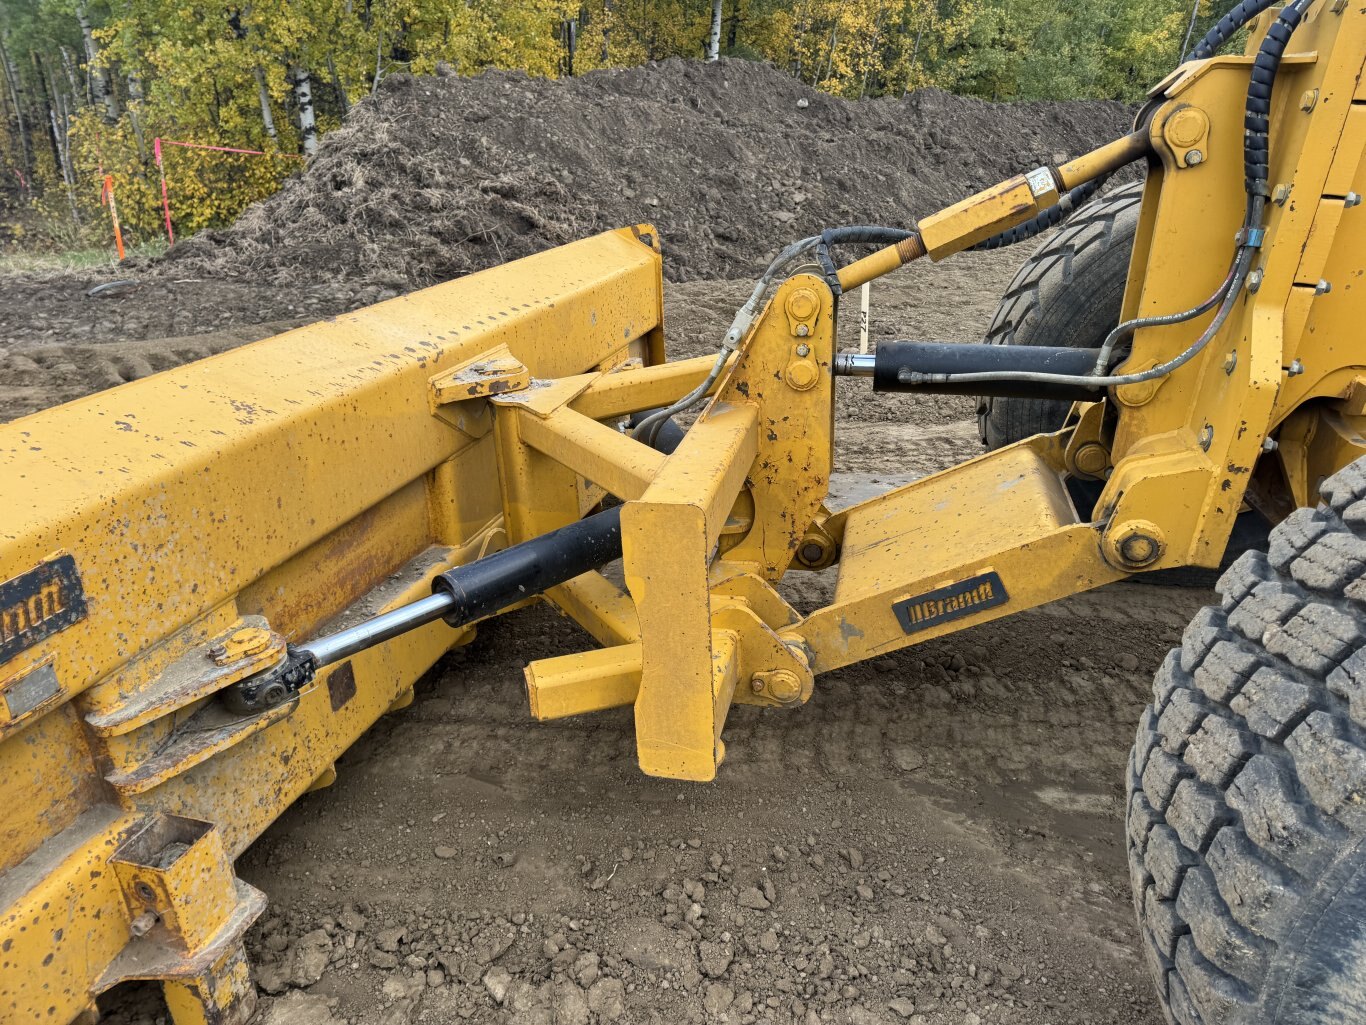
(1248, 776)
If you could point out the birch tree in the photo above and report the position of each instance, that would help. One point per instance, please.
(101, 83)
(714, 34)
(263, 100)
(59, 124)
(11, 76)
(308, 122)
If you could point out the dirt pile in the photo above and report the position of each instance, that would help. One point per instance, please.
(438, 176)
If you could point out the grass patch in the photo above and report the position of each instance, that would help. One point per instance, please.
(63, 261)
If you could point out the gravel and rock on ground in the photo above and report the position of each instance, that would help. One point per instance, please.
(934, 838)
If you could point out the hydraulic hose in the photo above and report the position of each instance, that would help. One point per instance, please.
(1257, 120)
(1122, 331)
(1255, 160)
(1227, 27)
(1224, 30)
(853, 235)
(1226, 294)
(648, 428)
(818, 246)
(1050, 218)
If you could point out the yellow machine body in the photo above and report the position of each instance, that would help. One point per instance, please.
(165, 539)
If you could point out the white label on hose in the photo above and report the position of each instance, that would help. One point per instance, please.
(1040, 181)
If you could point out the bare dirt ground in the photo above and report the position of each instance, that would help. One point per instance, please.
(934, 838)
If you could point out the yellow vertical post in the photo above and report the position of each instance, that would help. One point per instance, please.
(669, 537)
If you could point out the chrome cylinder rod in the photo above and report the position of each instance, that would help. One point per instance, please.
(337, 646)
(855, 364)
(459, 596)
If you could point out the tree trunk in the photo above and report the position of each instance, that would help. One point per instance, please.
(135, 115)
(100, 85)
(830, 57)
(61, 142)
(379, 58)
(1190, 29)
(69, 66)
(800, 25)
(733, 31)
(263, 96)
(915, 55)
(569, 33)
(12, 80)
(303, 96)
(340, 89)
(606, 29)
(872, 53)
(47, 103)
(714, 35)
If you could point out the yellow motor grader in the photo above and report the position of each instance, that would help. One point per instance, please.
(213, 580)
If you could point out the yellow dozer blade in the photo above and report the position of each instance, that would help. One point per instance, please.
(163, 540)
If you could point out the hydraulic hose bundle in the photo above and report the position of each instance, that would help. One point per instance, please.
(1255, 160)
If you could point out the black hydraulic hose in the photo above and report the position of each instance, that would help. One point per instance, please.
(1227, 27)
(850, 235)
(667, 434)
(1257, 122)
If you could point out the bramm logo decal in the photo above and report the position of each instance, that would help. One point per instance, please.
(954, 601)
(38, 604)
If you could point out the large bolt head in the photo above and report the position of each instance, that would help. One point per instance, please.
(1135, 544)
(784, 686)
(1092, 459)
(802, 304)
(1186, 127)
(802, 375)
(1139, 549)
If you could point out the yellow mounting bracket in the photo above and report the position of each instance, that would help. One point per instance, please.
(459, 395)
(704, 530)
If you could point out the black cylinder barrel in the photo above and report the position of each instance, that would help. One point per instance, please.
(897, 361)
(490, 584)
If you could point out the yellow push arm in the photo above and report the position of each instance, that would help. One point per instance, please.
(996, 209)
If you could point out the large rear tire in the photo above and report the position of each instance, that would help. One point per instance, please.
(1068, 293)
(1247, 783)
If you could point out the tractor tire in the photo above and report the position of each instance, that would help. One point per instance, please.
(1247, 786)
(1068, 293)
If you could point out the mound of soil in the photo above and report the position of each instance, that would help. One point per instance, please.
(441, 175)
